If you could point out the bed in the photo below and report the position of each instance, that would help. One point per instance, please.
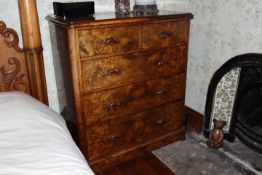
(34, 139)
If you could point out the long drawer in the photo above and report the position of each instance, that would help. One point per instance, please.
(122, 134)
(121, 70)
(133, 98)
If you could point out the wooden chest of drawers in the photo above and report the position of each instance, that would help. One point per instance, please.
(124, 80)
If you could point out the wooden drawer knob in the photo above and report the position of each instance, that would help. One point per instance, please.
(110, 41)
(110, 72)
(161, 63)
(162, 121)
(164, 35)
(115, 138)
(111, 105)
(162, 91)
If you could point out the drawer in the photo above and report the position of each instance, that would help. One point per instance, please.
(122, 70)
(107, 40)
(164, 34)
(122, 134)
(133, 98)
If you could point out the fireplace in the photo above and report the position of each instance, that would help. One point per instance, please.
(245, 112)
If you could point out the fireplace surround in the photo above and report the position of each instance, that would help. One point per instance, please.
(245, 121)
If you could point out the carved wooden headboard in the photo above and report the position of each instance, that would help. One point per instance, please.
(22, 69)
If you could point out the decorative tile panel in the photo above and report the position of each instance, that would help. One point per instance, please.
(224, 98)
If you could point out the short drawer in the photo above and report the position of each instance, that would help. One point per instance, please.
(133, 98)
(122, 134)
(107, 40)
(122, 70)
(164, 34)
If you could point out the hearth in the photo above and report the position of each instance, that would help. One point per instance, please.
(245, 121)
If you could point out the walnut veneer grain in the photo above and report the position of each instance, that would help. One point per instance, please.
(125, 81)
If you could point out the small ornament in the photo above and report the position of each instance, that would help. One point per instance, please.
(145, 7)
(122, 6)
(145, 2)
(216, 135)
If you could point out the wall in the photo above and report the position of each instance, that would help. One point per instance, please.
(220, 30)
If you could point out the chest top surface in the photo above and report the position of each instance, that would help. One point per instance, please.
(109, 17)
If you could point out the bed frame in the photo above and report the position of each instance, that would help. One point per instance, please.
(22, 69)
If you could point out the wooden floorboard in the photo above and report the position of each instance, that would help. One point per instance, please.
(146, 164)
(110, 171)
(154, 163)
(142, 167)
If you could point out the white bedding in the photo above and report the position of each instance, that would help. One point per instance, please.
(34, 140)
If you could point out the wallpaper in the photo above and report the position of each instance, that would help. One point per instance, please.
(220, 30)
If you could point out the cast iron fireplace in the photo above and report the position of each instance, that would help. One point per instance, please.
(246, 119)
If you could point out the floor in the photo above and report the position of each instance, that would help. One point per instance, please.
(146, 164)
(193, 157)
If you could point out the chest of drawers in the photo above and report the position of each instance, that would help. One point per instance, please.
(124, 81)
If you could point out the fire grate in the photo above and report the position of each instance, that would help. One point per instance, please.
(244, 112)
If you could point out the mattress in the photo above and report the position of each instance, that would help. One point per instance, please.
(34, 140)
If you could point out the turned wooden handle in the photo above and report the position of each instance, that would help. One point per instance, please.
(110, 41)
(162, 121)
(162, 63)
(111, 105)
(164, 35)
(162, 91)
(110, 72)
(115, 138)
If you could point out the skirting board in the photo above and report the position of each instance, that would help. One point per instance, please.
(195, 119)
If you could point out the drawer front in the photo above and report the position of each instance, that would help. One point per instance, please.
(130, 131)
(133, 98)
(107, 40)
(164, 34)
(122, 70)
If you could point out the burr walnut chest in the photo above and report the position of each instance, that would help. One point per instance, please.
(124, 81)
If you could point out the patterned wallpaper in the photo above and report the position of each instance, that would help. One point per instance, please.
(220, 30)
